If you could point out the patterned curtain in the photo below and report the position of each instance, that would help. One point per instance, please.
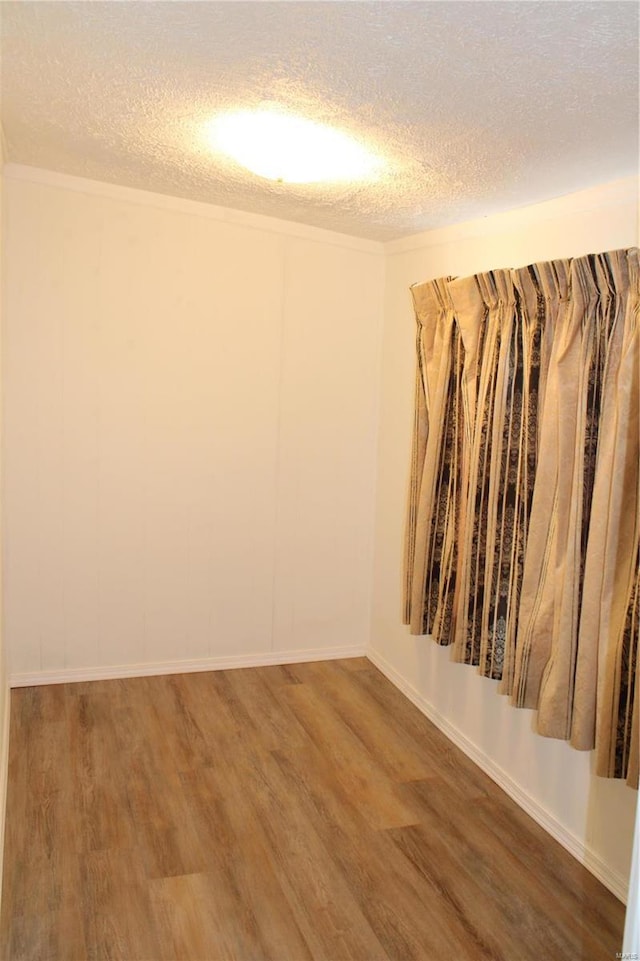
(434, 499)
(523, 531)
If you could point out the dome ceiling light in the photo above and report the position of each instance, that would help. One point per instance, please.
(290, 149)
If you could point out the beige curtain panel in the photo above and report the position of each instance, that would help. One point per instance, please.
(523, 525)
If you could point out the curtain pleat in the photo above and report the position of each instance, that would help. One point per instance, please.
(537, 606)
(616, 729)
(431, 550)
(501, 470)
(522, 543)
(425, 336)
(535, 328)
(470, 598)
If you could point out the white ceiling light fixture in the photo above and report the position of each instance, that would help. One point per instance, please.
(291, 149)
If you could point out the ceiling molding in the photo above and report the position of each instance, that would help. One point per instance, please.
(624, 192)
(197, 208)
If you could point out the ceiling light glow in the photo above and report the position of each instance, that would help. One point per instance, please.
(283, 147)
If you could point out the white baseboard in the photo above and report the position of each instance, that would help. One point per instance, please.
(71, 674)
(615, 882)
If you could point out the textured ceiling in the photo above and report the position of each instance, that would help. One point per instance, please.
(479, 106)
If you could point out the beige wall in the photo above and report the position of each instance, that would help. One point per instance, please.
(4, 685)
(189, 430)
(547, 776)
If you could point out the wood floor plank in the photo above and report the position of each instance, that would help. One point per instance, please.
(14, 841)
(325, 909)
(401, 756)
(514, 882)
(478, 910)
(381, 802)
(186, 743)
(443, 756)
(352, 663)
(186, 925)
(267, 714)
(398, 907)
(244, 855)
(116, 908)
(276, 675)
(529, 842)
(289, 813)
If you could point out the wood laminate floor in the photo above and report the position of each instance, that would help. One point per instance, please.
(302, 813)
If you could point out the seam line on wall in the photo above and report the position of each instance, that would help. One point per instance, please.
(277, 518)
